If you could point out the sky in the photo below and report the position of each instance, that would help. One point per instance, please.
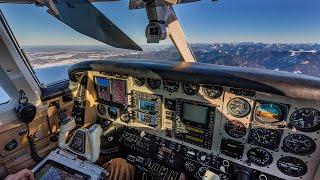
(269, 21)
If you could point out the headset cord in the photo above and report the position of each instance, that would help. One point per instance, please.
(32, 146)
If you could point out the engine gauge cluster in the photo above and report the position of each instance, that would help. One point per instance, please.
(306, 119)
(212, 92)
(292, 166)
(299, 144)
(235, 128)
(190, 89)
(267, 138)
(259, 157)
(238, 107)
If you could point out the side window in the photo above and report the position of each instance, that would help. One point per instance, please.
(4, 98)
(38, 40)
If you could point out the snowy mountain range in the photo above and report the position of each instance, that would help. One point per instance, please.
(295, 58)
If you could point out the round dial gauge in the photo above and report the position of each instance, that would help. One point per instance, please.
(170, 86)
(101, 109)
(235, 129)
(268, 112)
(268, 138)
(190, 89)
(259, 157)
(299, 144)
(306, 119)
(292, 166)
(238, 107)
(153, 83)
(139, 81)
(113, 113)
(212, 92)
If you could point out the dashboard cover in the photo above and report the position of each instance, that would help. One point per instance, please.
(275, 82)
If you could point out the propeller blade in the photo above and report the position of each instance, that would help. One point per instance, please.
(85, 18)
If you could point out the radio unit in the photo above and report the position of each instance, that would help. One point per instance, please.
(146, 109)
(195, 123)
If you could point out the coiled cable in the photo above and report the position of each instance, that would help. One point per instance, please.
(32, 146)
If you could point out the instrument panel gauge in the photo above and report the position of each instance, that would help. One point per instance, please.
(306, 119)
(139, 81)
(235, 129)
(299, 144)
(171, 86)
(259, 157)
(292, 166)
(238, 107)
(212, 92)
(268, 112)
(267, 138)
(190, 89)
(113, 113)
(101, 109)
(153, 83)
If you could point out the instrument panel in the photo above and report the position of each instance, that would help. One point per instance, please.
(261, 131)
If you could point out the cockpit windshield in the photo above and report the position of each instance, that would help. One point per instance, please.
(276, 35)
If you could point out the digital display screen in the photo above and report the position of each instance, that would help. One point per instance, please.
(113, 90)
(118, 89)
(103, 88)
(194, 113)
(55, 171)
(148, 119)
(147, 106)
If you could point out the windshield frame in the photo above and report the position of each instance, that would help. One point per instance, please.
(18, 48)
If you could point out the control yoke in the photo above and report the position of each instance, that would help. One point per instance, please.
(84, 141)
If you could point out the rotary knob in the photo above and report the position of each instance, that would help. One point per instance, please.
(203, 157)
(125, 118)
(189, 166)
